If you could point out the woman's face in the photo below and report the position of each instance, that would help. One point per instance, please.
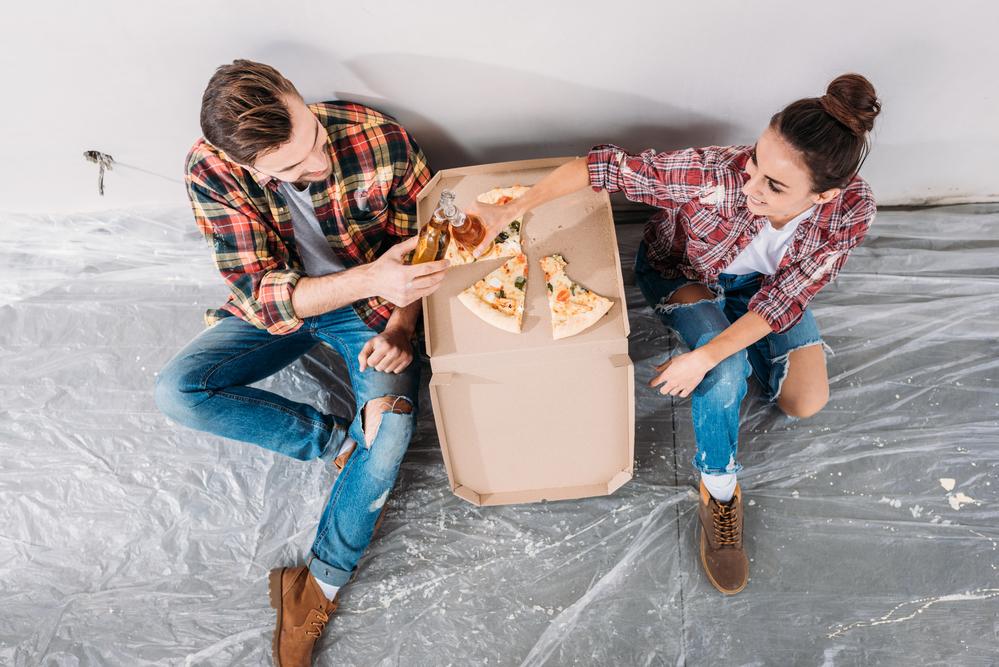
(779, 185)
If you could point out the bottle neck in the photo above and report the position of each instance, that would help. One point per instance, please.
(455, 219)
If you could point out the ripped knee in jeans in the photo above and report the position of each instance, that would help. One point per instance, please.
(690, 294)
(371, 415)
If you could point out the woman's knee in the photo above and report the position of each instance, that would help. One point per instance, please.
(804, 405)
(691, 293)
(805, 389)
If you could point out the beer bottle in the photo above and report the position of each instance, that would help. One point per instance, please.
(436, 234)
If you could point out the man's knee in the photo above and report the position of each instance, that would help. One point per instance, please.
(376, 407)
(174, 395)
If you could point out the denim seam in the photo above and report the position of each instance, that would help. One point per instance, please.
(341, 346)
(215, 367)
(341, 481)
(281, 408)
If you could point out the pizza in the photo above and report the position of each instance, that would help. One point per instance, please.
(573, 307)
(506, 243)
(498, 298)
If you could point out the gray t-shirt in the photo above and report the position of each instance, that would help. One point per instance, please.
(317, 255)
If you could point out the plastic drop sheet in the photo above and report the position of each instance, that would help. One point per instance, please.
(872, 528)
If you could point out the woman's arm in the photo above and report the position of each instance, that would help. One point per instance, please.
(568, 178)
(681, 374)
(655, 178)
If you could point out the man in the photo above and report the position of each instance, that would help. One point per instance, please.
(310, 210)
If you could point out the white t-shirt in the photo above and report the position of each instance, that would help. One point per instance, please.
(317, 255)
(765, 251)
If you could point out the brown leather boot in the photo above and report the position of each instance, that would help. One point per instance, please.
(302, 613)
(722, 554)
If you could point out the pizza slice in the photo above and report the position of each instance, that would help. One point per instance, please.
(507, 242)
(498, 298)
(573, 307)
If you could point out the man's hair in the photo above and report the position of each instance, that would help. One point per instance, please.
(243, 112)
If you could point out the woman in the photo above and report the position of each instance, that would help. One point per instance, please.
(745, 237)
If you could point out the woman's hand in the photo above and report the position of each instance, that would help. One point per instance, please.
(494, 219)
(680, 375)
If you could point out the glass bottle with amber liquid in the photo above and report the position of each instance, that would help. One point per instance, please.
(436, 234)
(468, 231)
(447, 222)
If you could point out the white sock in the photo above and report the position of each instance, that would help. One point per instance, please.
(328, 590)
(721, 487)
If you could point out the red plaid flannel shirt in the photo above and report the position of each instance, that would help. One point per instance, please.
(367, 205)
(704, 222)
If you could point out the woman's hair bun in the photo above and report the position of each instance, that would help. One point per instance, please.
(852, 101)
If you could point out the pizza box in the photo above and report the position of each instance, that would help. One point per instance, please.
(522, 417)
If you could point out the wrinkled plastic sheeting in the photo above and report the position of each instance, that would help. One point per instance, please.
(127, 540)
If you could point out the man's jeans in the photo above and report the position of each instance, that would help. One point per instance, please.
(716, 400)
(205, 387)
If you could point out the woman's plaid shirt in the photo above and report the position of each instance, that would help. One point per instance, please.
(704, 223)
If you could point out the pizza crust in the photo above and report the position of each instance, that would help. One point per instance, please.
(580, 308)
(581, 322)
(488, 314)
(499, 297)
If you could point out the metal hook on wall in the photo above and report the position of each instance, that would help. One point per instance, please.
(102, 160)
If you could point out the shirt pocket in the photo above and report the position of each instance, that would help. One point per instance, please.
(367, 204)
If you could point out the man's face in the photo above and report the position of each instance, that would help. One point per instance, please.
(305, 157)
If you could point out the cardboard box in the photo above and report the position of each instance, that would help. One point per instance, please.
(522, 417)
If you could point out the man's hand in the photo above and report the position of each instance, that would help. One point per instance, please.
(401, 284)
(494, 219)
(680, 375)
(389, 352)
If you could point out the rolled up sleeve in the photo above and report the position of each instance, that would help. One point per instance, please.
(655, 178)
(261, 286)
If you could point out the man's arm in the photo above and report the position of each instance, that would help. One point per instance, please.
(388, 277)
(321, 294)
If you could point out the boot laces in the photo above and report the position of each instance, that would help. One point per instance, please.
(726, 523)
(318, 624)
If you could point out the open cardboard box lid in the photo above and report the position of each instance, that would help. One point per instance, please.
(523, 417)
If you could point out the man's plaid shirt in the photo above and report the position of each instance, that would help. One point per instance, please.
(367, 205)
(704, 223)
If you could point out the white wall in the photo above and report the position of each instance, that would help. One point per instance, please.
(479, 82)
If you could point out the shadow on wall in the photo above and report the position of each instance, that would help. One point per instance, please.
(506, 114)
(499, 113)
